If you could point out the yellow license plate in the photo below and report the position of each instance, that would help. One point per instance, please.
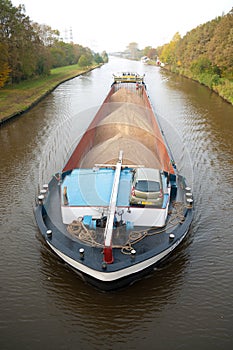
(147, 203)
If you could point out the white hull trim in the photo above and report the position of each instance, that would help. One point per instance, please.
(113, 276)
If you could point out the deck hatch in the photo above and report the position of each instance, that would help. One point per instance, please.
(86, 187)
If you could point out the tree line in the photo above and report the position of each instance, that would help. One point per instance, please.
(204, 54)
(206, 49)
(29, 49)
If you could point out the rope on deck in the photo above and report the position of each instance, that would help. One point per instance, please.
(175, 217)
(79, 230)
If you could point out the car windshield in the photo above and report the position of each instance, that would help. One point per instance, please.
(147, 186)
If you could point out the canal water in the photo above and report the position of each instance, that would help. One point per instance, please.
(187, 302)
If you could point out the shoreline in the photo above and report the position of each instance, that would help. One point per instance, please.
(216, 89)
(220, 89)
(20, 98)
(33, 91)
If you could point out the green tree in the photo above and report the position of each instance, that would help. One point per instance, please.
(20, 41)
(98, 59)
(28, 49)
(201, 65)
(84, 61)
(57, 57)
(104, 56)
(47, 35)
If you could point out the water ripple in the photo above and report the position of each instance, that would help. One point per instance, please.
(187, 301)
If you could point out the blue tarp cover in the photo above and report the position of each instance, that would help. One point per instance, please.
(86, 187)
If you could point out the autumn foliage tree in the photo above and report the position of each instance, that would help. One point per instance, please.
(205, 54)
(150, 52)
(205, 49)
(28, 49)
(4, 66)
(21, 47)
(168, 53)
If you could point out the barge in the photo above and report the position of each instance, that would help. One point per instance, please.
(119, 206)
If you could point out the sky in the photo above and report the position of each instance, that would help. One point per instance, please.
(112, 25)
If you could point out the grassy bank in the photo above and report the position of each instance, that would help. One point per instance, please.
(222, 86)
(16, 99)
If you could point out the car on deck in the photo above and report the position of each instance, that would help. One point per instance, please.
(147, 187)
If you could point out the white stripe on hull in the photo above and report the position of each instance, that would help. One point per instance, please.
(115, 275)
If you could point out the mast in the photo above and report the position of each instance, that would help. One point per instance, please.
(108, 257)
